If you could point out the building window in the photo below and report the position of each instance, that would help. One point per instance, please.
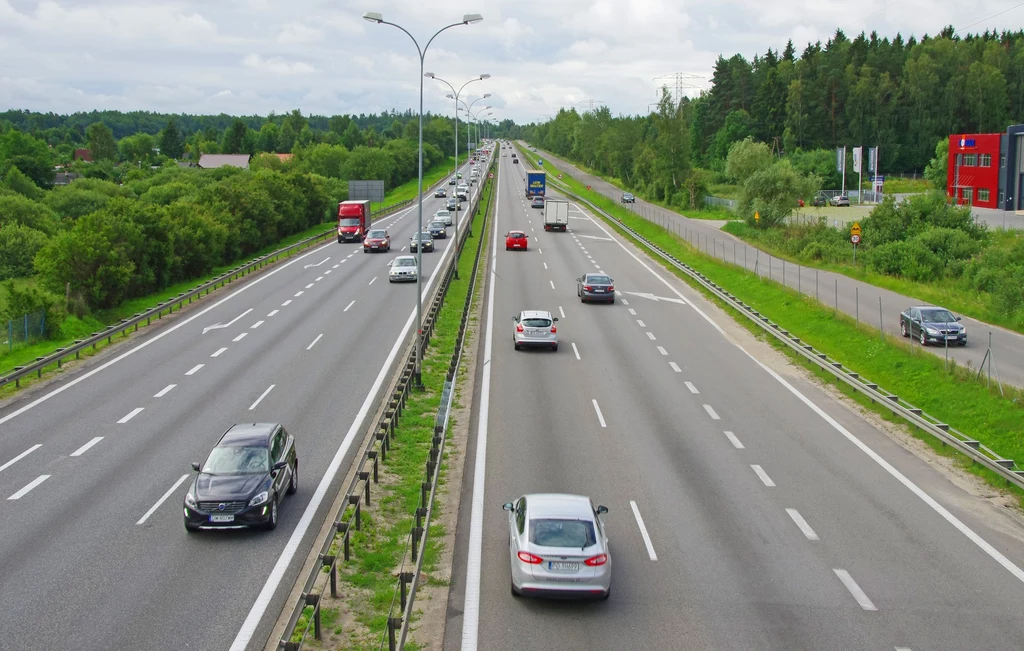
(970, 160)
(983, 194)
(985, 160)
(1002, 198)
(967, 196)
(1002, 161)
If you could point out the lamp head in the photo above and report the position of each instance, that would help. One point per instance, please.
(469, 19)
(428, 75)
(486, 95)
(485, 76)
(373, 17)
(450, 96)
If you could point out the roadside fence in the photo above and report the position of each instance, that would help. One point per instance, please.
(24, 329)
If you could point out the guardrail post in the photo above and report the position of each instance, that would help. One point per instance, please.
(342, 528)
(404, 578)
(354, 499)
(365, 476)
(372, 454)
(313, 599)
(329, 562)
(393, 622)
(416, 533)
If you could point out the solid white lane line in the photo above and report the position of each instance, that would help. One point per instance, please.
(545, 265)
(163, 392)
(272, 313)
(240, 337)
(561, 311)
(643, 531)
(163, 499)
(552, 284)
(762, 475)
(372, 281)
(632, 311)
(600, 416)
(735, 441)
(28, 487)
(286, 303)
(299, 293)
(309, 285)
(130, 415)
(650, 335)
(854, 589)
(195, 369)
(20, 456)
(693, 389)
(309, 347)
(802, 524)
(82, 450)
(711, 412)
(262, 396)
(348, 306)
(218, 353)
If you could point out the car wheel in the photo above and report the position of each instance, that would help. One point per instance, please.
(272, 522)
(605, 596)
(961, 343)
(583, 299)
(293, 484)
(391, 280)
(924, 342)
(903, 328)
(516, 344)
(611, 301)
(508, 248)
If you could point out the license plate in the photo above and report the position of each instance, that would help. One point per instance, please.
(598, 291)
(373, 246)
(950, 337)
(563, 566)
(222, 518)
(534, 332)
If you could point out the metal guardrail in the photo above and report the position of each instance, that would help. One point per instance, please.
(374, 453)
(975, 450)
(61, 354)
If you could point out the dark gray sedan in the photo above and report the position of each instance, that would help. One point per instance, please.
(933, 325)
(423, 239)
(595, 287)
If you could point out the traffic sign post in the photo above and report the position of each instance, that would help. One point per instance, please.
(855, 239)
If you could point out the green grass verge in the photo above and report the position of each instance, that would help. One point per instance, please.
(921, 379)
(377, 548)
(896, 185)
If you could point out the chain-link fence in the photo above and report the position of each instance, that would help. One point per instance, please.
(24, 329)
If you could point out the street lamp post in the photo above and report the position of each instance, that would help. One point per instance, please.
(455, 96)
(377, 18)
(468, 109)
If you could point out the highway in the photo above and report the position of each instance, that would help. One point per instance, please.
(748, 508)
(856, 299)
(93, 552)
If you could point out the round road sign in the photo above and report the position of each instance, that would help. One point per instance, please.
(855, 239)
(491, 175)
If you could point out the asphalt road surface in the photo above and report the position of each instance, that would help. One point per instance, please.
(855, 298)
(93, 467)
(748, 509)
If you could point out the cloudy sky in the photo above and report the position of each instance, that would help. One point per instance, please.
(255, 56)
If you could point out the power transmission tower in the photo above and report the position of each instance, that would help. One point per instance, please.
(590, 104)
(678, 83)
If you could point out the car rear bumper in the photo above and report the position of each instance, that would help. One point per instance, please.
(602, 296)
(564, 591)
(531, 341)
(942, 340)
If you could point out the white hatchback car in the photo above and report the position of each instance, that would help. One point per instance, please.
(557, 546)
(403, 268)
(535, 328)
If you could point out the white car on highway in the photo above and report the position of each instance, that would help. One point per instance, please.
(535, 328)
(403, 268)
(444, 215)
(557, 546)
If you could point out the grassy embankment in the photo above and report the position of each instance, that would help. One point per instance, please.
(75, 328)
(367, 581)
(921, 379)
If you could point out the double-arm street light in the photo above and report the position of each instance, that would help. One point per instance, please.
(455, 96)
(467, 19)
(468, 109)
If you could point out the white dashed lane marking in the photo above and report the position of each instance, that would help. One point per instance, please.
(735, 441)
(130, 415)
(163, 392)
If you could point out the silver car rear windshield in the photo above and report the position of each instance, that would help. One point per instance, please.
(562, 533)
(536, 323)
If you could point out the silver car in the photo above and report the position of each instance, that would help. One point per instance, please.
(535, 328)
(557, 546)
(444, 215)
(403, 268)
(595, 287)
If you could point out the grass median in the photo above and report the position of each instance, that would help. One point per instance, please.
(919, 378)
(368, 580)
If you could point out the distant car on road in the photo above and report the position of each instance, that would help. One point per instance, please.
(840, 200)
(421, 239)
(377, 240)
(535, 328)
(933, 325)
(403, 268)
(595, 287)
(515, 161)
(537, 202)
(440, 193)
(444, 215)
(628, 197)
(437, 229)
(244, 479)
(451, 181)
(558, 547)
(453, 204)
(516, 240)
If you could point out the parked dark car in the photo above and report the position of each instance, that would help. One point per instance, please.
(595, 287)
(819, 200)
(840, 200)
(627, 197)
(932, 325)
(244, 479)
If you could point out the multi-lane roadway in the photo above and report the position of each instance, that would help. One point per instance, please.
(93, 466)
(749, 508)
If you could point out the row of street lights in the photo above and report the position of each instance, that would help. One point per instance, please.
(467, 19)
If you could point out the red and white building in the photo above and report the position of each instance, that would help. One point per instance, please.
(974, 166)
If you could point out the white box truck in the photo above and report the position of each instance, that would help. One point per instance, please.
(556, 215)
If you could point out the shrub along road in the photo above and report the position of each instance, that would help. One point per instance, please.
(853, 297)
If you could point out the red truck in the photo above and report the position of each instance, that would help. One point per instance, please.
(353, 220)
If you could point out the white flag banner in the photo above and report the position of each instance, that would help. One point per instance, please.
(839, 158)
(856, 159)
(873, 160)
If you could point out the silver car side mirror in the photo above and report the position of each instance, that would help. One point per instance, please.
(507, 506)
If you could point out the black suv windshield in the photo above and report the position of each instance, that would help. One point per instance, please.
(937, 316)
(237, 460)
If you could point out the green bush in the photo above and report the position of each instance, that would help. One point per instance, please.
(19, 245)
(912, 260)
(30, 300)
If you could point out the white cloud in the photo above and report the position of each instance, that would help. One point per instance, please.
(253, 56)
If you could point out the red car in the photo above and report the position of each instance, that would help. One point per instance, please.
(377, 240)
(516, 240)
